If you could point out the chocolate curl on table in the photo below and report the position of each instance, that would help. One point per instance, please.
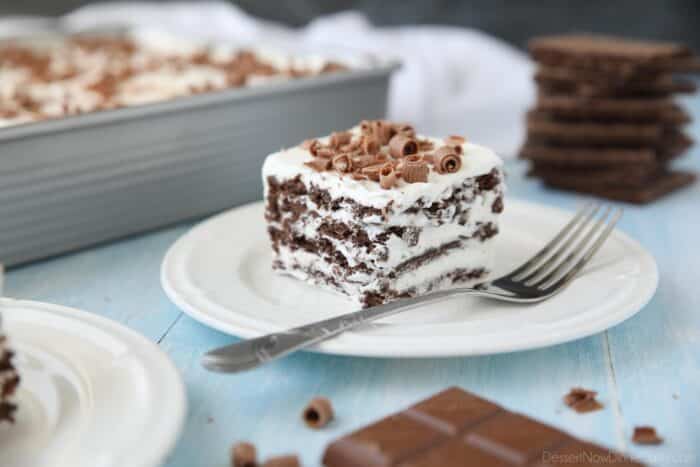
(342, 163)
(244, 455)
(447, 160)
(319, 164)
(414, 169)
(318, 413)
(282, 461)
(340, 138)
(358, 176)
(402, 145)
(387, 176)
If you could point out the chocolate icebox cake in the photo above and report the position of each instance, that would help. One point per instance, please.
(9, 380)
(81, 74)
(378, 212)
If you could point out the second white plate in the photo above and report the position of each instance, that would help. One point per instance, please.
(219, 273)
(93, 393)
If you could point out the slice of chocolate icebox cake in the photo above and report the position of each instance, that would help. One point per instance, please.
(9, 380)
(378, 212)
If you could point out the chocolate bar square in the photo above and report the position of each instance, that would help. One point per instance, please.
(452, 410)
(456, 428)
(386, 442)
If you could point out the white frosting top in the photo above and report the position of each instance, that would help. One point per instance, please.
(476, 160)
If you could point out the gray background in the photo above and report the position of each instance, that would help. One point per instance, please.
(512, 20)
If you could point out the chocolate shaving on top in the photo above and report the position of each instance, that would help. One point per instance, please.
(447, 160)
(384, 152)
(342, 163)
(402, 145)
(340, 138)
(415, 172)
(387, 176)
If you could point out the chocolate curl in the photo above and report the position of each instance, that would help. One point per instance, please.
(244, 455)
(311, 145)
(282, 461)
(414, 169)
(318, 413)
(402, 145)
(340, 138)
(361, 162)
(405, 129)
(425, 145)
(383, 131)
(358, 176)
(456, 139)
(387, 176)
(372, 172)
(326, 153)
(366, 127)
(342, 163)
(370, 145)
(352, 146)
(429, 158)
(415, 172)
(380, 157)
(447, 160)
(319, 164)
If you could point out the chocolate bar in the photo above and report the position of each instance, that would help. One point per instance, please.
(456, 428)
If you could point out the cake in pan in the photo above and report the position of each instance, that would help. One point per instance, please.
(378, 212)
(81, 74)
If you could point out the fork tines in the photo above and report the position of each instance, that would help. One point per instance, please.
(570, 250)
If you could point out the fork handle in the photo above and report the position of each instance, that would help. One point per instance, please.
(251, 353)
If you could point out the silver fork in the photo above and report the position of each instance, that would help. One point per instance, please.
(545, 274)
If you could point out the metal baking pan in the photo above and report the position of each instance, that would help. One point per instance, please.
(82, 180)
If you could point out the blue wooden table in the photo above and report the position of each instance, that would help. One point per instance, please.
(647, 370)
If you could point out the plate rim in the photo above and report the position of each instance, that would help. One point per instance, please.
(176, 409)
(644, 290)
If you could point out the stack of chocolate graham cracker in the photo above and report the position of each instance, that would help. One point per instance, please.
(605, 122)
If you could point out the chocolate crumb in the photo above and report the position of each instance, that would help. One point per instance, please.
(244, 454)
(283, 461)
(318, 413)
(582, 400)
(646, 435)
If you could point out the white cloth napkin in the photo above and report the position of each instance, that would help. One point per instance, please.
(453, 80)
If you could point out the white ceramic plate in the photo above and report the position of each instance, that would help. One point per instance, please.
(219, 273)
(93, 393)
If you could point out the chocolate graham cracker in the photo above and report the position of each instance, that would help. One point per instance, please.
(543, 125)
(591, 156)
(628, 176)
(661, 185)
(612, 54)
(456, 428)
(656, 110)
